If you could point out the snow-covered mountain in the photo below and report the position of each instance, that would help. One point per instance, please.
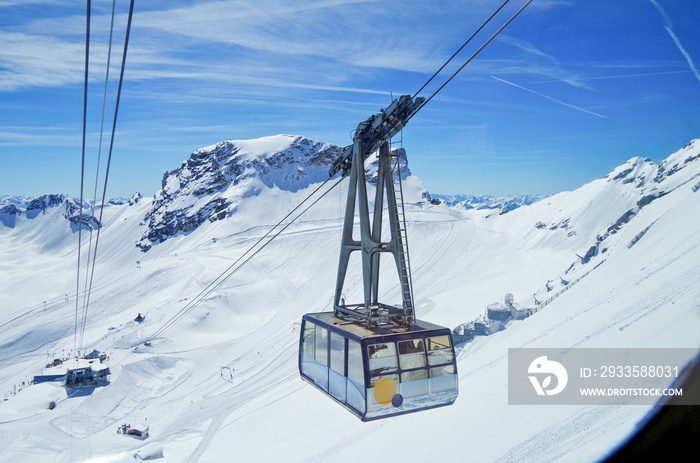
(211, 183)
(503, 203)
(222, 382)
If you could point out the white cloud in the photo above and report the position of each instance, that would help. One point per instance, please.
(315, 45)
(540, 63)
(10, 3)
(38, 61)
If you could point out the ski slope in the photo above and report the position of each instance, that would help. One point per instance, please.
(643, 295)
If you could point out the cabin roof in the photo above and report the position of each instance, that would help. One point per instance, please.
(358, 327)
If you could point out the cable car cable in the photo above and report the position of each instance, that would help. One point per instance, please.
(88, 281)
(460, 48)
(82, 165)
(468, 60)
(109, 159)
(114, 129)
(230, 271)
(259, 241)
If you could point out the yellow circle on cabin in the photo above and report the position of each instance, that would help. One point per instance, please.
(384, 390)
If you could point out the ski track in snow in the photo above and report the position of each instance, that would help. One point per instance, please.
(562, 441)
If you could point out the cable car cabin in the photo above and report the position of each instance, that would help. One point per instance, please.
(386, 370)
(373, 358)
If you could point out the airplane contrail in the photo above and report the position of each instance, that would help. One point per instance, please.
(550, 98)
(667, 26)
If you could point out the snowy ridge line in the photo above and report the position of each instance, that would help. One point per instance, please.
(566, 287)
(622, 221)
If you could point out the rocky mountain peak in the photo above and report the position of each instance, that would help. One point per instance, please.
(284, 161)
(208, 184)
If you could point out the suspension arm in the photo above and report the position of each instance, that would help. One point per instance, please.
(378, 129)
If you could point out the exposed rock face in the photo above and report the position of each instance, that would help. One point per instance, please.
(42, 203)
(205, 187)
(135, 199)
(10, 209)
(371, 168)
(87, 221)
(651, 181)
(8, 215)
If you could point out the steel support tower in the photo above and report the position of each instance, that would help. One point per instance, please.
(372, 135)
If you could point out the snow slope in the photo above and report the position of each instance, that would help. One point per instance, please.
(636, 230)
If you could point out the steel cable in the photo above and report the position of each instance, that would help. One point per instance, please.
(460, 48)
(82, 167)
(88, 281)
(239, 263)
(109, 159)
(468, 60)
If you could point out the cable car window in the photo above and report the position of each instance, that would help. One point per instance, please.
(443, 379)
(439, 350)
(355, 370)
(314, 354)
(444, 370)
(338, 353)
(321, 339)
(413, 383)
(439, 342)
(337, 383)
(356, 377)
(308, 339)
(411, 354)
(382, 358)
(416, 375)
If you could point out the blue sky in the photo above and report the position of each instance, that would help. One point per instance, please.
(568, 91)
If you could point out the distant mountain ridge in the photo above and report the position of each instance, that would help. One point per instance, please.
(211, 183)
(504, 203)
(14, 207)
(21, 201)
(39, 205)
